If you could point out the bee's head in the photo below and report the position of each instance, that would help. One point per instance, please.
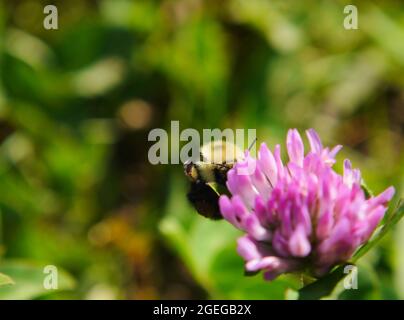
(190, 171)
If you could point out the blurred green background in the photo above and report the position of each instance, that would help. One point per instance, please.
(77, 104)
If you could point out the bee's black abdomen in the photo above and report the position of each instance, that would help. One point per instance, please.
(205, 200)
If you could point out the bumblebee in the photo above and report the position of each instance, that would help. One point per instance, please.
(208, 176)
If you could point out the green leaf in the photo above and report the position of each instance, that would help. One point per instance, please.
(324, 286)
(5, 280)
(29, 280)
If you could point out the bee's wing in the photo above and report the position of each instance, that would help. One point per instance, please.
(221, 152)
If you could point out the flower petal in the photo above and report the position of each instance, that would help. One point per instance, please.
(295, 147)
(299, 244)
(314, 140)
